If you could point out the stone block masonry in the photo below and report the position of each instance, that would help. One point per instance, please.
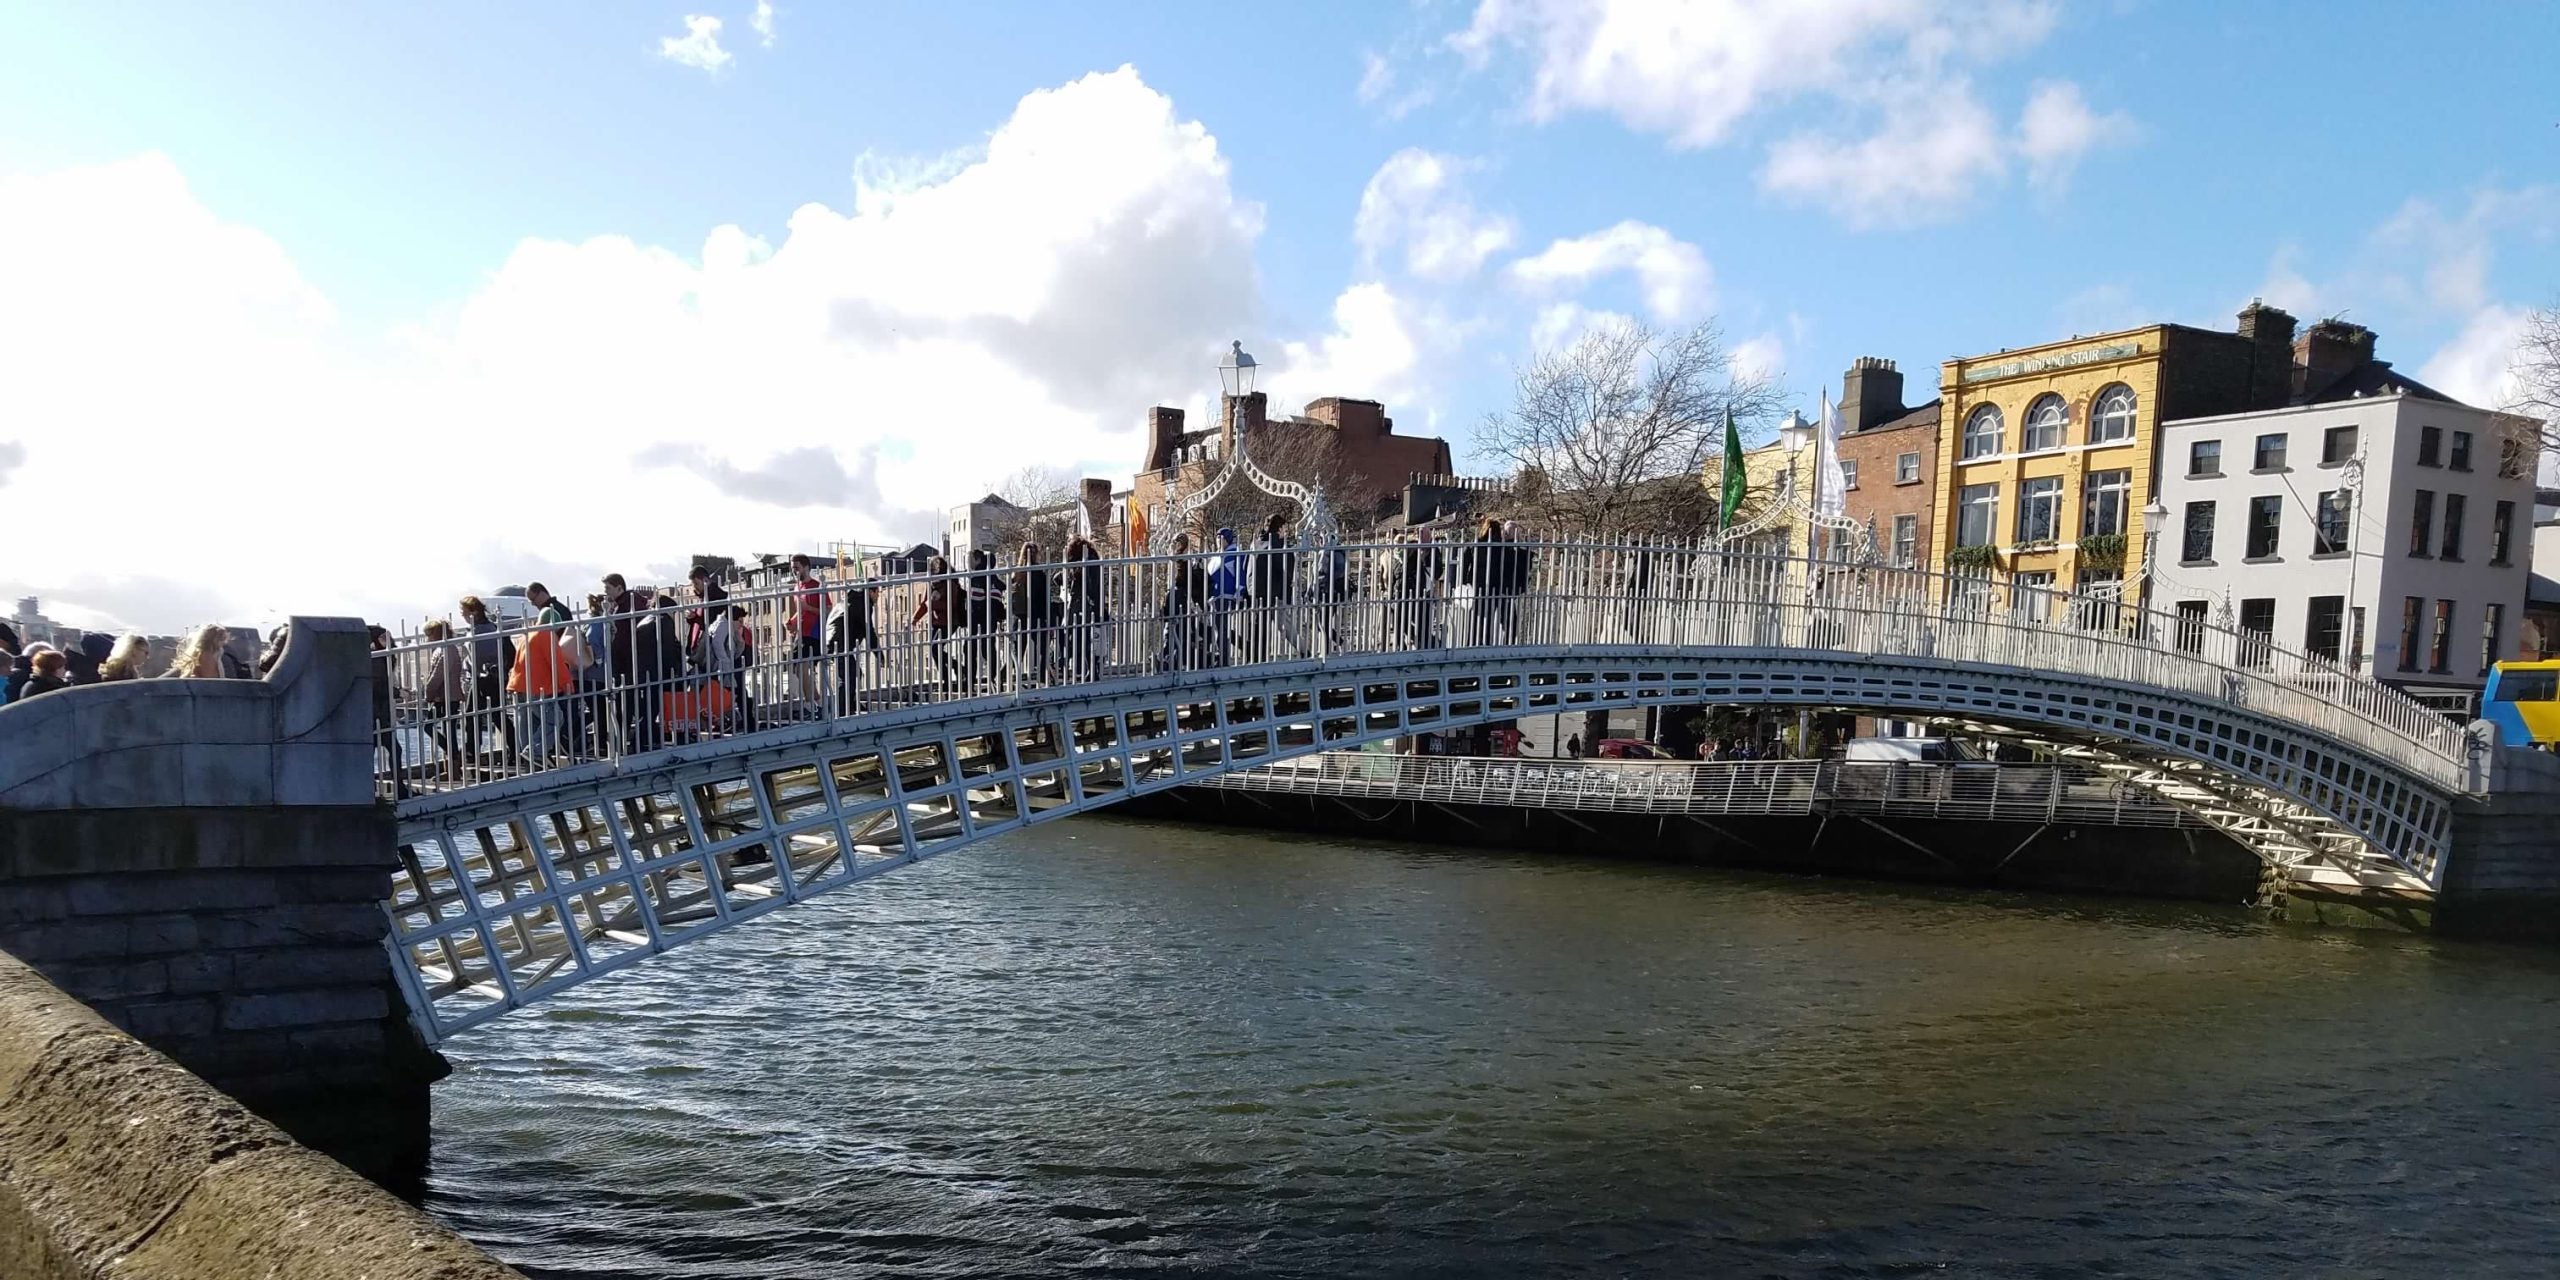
(116, 1162)
(229, 915)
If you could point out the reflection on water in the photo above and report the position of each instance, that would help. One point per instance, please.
(1115, 1048)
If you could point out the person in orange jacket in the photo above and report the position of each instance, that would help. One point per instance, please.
(543, 679)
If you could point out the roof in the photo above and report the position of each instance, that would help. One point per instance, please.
(1924, 416)
(2369, 379)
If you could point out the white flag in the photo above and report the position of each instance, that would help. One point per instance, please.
(1831, 484)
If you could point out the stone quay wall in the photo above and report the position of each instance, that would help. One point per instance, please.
(203, 863)
(115, 1161)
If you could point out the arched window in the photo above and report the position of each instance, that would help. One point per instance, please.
(1982, 432)
(2112, 418)
(2044, 424)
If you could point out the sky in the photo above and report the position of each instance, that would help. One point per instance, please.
(332, 308)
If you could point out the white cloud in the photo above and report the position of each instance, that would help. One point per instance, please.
(2477, 365)
(1936, 150)
(607, 404)
(1417, 202)
(2058, 128)
(762, 22)
(1674, 276)
(1559, 324)
(1374, 352)
(699, 46)
(1762, 356)
(1377, 79)
(1695, 72)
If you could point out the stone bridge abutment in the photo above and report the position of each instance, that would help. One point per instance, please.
(203, 863)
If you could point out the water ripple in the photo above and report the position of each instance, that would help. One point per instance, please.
(1132, 1049)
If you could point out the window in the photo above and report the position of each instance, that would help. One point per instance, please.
(2040, 509)
(2529, 686)
(2440, 648)
(1977, 514)
(2204, 458)
(2502, 531)
(2330, 522)
(2409, 609)
(2512, 453)
(2459, 457)
(2045, 419)
(2337, 444)
(2270, 452)
(2102, 502)
(2190, 633)
(2422, 524)
(2198, 545)
(1906, 468)
(2257, 631)
(2266, 519)
(2322, 624)
(1906, 541)
(2493, 625)
(1786, 485)
(2031, 594)
(2451, 549)
(1982, 432)
(2430, 445)
(2112, 418)
(1848, 473)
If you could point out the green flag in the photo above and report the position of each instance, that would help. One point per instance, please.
(1734, 485)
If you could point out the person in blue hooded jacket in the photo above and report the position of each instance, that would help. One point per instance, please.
(1226, 592)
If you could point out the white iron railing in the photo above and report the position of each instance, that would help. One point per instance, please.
(1969, 791)
(474, 709)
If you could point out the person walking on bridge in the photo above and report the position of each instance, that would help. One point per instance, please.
(1086, 611)
(492, 655)
(849, 632)
(935, 609)
(540, 680)
(1029, 597)
(808, 617)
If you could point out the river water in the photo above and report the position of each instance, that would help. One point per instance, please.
(1124, 1048)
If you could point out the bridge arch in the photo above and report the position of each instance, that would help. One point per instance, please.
(513, 891)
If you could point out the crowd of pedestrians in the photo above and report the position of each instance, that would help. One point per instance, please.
(644, 667)
(36, 668)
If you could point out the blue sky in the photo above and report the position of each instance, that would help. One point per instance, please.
(396, 242)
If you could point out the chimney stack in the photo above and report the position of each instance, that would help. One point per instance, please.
(2270, 334)
(2330, 350)
(1164, 432)
(1870, 393)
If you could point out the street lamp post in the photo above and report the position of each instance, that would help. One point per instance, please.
(2153, 516)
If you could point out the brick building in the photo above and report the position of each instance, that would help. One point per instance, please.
(1889, 456)
(1349, 446)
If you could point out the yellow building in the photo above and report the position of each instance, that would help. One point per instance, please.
(2046, 454)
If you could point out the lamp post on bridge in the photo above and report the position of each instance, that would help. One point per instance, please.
(2153, 517)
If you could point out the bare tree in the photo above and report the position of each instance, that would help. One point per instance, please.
(1045, 495)
(2536, 367)
(1610, 436)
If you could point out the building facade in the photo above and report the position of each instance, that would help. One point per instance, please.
(2390, 533)
(1347, 447)
(1889, 456)
(2045, 454)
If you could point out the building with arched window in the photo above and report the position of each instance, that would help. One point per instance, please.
(2047, 454)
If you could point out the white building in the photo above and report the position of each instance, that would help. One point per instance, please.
(2392, 532)
(985, 525)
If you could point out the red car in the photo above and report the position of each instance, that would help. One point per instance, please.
(1628, 749)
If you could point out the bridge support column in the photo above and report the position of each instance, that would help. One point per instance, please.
(2502, 874)
(204, 864)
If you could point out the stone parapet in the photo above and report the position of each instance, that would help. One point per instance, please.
(114, 1161)
(204, 864)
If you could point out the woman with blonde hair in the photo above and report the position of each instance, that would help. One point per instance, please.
(200, 655)
(125, 663)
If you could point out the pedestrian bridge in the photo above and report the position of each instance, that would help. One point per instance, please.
(708, 768)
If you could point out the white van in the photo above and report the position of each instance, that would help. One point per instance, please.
(1888, 750)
